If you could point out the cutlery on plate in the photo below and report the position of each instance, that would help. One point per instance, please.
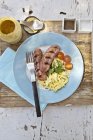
(31, 69)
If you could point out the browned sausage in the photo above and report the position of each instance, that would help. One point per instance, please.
(37, 58)
(48, 57)
(43, 62)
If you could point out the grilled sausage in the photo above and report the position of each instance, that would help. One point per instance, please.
(48, 57)
(37, 55)
(41, 76)
(43, 62)
(37, 58)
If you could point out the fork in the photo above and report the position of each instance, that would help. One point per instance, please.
(31, 69)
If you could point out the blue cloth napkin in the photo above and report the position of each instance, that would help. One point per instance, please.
(7, 75)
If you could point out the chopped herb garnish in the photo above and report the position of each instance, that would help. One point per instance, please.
(56, 66)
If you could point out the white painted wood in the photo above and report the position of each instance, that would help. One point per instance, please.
(57, 123)
(68, 123)
(48, 9)
(19, 124)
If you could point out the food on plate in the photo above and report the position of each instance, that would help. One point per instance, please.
(67, 59)
(60, 55)
(57, 76)
(69, 66)
(48, 57)
(43, 62)
(37, 59)
(52, 67)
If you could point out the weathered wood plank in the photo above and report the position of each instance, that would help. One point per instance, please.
(19, 123)
(83, 95)
(8, 98)
(57, 123)
(67, 123)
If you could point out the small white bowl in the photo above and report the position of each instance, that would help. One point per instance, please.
(69, 25)
(84, 26)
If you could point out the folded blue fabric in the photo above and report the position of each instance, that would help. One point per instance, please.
(7, 75)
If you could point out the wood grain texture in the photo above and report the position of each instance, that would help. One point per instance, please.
(82, 96)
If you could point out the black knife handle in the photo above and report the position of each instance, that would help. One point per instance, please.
(36, 99)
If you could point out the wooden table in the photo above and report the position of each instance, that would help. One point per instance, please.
(82, 96)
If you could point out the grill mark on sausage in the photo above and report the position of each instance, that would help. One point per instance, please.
(43, 62)
(48, 57)
(37, 58)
